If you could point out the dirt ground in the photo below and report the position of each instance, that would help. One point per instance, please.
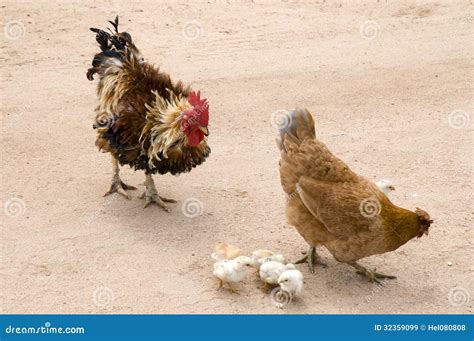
(389, 84)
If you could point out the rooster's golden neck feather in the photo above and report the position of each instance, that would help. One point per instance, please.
(163, 125)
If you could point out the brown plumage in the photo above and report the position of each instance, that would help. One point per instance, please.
(143, 118)
(330, 205)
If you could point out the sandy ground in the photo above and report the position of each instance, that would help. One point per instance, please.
(390, 85)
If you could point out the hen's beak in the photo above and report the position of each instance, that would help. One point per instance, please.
(204, 130)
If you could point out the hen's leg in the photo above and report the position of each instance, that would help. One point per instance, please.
(118, 186)
(371, 275)
(312, 258)
(151, 194)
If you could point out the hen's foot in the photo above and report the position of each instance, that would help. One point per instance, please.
(151, 195)
(372, 275)
(118, 186)
(312, 258)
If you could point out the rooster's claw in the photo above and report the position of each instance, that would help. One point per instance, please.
(118, 186)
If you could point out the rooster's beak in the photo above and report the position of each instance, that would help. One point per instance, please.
(204, 130)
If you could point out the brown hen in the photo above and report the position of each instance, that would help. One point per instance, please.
(332, 206)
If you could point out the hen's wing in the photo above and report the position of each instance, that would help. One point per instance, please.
(344, 208)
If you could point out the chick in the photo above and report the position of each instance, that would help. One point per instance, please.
(291, 281)
(261, 256)
(225, 251)
(232, 271)
(385, 186)
(270, 272)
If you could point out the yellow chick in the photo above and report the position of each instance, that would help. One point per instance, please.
(225, 251)
(270, 272)
(232, 271)
(261, 256)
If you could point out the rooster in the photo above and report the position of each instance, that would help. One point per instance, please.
(330, 205)
(144, 119)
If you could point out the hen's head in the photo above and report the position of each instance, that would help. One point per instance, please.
(424, 221)
(194, 121)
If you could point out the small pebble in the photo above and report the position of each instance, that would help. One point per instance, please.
(450, 264)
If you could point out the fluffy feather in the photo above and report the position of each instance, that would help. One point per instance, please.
(261, 256)
(270, 271)
(232, 271)
(224, 251)
(291, 281)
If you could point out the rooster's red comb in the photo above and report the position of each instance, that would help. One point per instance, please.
(195, 100)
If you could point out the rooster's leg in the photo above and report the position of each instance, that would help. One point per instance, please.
(151, 194)
(118, 186)
(371, 275)
(312, 258)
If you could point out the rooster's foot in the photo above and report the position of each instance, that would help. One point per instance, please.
(118, 186)
(372, 275)
(312, 258)
(151, 195)
(153, 198)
